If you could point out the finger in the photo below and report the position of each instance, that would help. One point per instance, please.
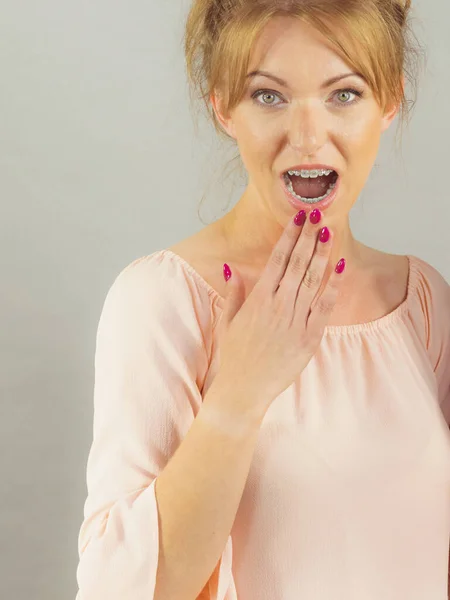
(314, 275)
(314, 240)
(276, 266)
(281, 256)
(234, 296)
(321, 313)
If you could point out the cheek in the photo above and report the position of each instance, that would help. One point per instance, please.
(360, 144)
(361, 137)
(258, 142)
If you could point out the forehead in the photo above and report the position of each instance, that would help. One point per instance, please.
(287, 45)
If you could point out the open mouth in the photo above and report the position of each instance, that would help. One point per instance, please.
(311, 186)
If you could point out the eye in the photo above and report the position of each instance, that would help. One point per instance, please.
(268, 97)
(346, 93)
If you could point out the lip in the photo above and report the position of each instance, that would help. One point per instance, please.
(323, 204)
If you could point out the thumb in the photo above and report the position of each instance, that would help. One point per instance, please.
(235, 295)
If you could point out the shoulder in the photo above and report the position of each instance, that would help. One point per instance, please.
(157, 288)
(430, 286)
(430, 311)
(204, 254)
(429, 304)
(162, 274)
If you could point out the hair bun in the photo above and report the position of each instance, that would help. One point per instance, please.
(402, 7)
(404, 4)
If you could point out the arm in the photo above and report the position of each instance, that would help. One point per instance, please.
(151, 422)
(198, 495)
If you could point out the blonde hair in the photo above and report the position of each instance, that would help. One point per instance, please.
(372, 36)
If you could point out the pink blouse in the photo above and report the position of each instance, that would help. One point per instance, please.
(348, 495)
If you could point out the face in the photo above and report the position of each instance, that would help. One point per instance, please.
(291, 117)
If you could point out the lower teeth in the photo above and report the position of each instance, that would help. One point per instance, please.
(308, 200)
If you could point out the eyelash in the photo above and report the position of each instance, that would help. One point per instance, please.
(359, 95)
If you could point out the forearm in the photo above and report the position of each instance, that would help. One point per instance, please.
(198, 494)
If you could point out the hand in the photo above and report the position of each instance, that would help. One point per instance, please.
(267, 340)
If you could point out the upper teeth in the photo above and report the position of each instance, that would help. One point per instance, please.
(306, 174)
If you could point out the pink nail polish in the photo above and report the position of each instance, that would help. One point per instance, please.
(300, 218)
(226, 272)
(315, 216)
(324, 235)
(340, 266)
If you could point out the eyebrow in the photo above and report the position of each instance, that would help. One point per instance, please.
(323, 86)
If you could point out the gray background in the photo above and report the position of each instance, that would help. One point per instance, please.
(100, 164)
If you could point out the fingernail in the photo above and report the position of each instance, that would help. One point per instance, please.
(324, 235)
(226, 272)
(315, 216)
(300, 218)
(340, 266)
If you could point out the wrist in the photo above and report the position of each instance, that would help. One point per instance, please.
(235, 412)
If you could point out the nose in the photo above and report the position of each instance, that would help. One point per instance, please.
(307, 131)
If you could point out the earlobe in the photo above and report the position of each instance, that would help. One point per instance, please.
(230, 129)
(393, 112)
(226, 123)
(389, 117)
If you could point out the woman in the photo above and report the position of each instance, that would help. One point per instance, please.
(280, 432)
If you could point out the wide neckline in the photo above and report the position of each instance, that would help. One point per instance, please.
(376, 324)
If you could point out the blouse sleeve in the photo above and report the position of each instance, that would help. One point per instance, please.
(434, 299)
(152, 355)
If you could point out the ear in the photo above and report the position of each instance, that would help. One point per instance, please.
(225, 120)
(392, 112)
